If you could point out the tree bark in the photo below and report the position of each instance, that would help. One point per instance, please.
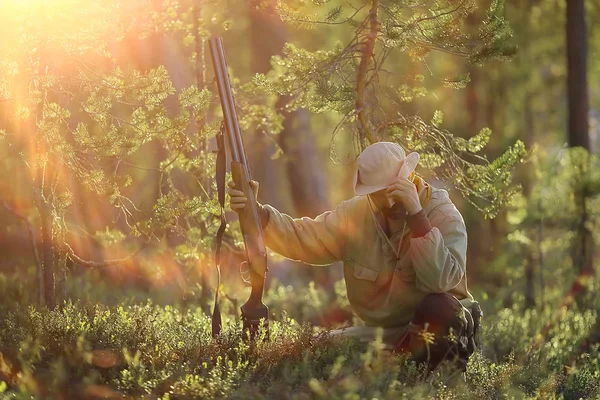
(61, 277)
(527, 184)
(480, 100)
(577, 75)
(472, 100)
(43, 178)
(368, 50)
(47, 253)
(60, 263)
(529, 175)
(308, 187)
(578, 105)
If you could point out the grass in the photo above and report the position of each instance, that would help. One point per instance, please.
(136, 349)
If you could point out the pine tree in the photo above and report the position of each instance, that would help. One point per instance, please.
(578, 134)
(364, 81)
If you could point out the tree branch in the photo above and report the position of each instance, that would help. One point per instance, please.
(99, 264)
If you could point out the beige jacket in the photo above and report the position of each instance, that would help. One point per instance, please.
(382, 289)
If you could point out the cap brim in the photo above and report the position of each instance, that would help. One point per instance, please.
(409, 165)
(361, 189)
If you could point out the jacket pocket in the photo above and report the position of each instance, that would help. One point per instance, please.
(361, 271)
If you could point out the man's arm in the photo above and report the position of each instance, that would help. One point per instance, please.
(438, 250)
(318, 241)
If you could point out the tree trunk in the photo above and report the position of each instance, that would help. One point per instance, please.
(39, 268)
(268, 35)
(472, 100)
(583, 249)
(42, 177)
(47, 254)
(61, 277)
(578, 104)
(577, 75)
(308, 188)
(529, 173)
(527, 183)
(303, 169)
(200, 73)
(60, 261)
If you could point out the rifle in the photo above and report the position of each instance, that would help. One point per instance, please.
(253, 311)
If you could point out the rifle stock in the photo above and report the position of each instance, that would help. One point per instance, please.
(253, 311)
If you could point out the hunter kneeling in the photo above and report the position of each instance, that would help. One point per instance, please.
(403, 244)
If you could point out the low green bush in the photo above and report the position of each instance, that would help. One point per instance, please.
(88, 349)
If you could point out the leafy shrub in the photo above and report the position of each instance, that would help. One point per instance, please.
(88, 349)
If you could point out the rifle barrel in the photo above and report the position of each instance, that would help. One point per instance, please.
(227, 102)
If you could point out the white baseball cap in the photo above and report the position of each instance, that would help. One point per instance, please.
(380, 164)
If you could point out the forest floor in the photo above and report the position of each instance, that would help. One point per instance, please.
(92, 349)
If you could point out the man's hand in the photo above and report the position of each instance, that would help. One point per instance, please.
(405, 192)
(237, 198)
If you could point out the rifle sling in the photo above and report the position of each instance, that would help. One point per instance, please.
(220, 178)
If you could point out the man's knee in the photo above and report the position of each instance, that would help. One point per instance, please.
(442, 315)
(440, 311)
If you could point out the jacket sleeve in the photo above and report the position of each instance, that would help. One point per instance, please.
(439, 256)
(318, 241)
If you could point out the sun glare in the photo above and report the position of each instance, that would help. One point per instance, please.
(19, 5)
(15, 11)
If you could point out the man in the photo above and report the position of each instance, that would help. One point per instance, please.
(403, 244)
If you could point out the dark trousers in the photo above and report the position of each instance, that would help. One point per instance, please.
(442, 330)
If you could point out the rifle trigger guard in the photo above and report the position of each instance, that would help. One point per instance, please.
(245, 272)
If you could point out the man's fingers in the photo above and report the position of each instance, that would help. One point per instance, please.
(238, 202)
(399, 195)
(400, 185)
(396, 193)
(237, 198)
(395, 188)
(253, 184)
(235, 193)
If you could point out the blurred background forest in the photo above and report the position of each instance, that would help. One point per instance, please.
(108, 113)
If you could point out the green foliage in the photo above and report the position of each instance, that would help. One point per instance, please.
(544, 225)
(83, 126)
(370, 100)
(102, 132)
(168, 352)
(495, 35)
